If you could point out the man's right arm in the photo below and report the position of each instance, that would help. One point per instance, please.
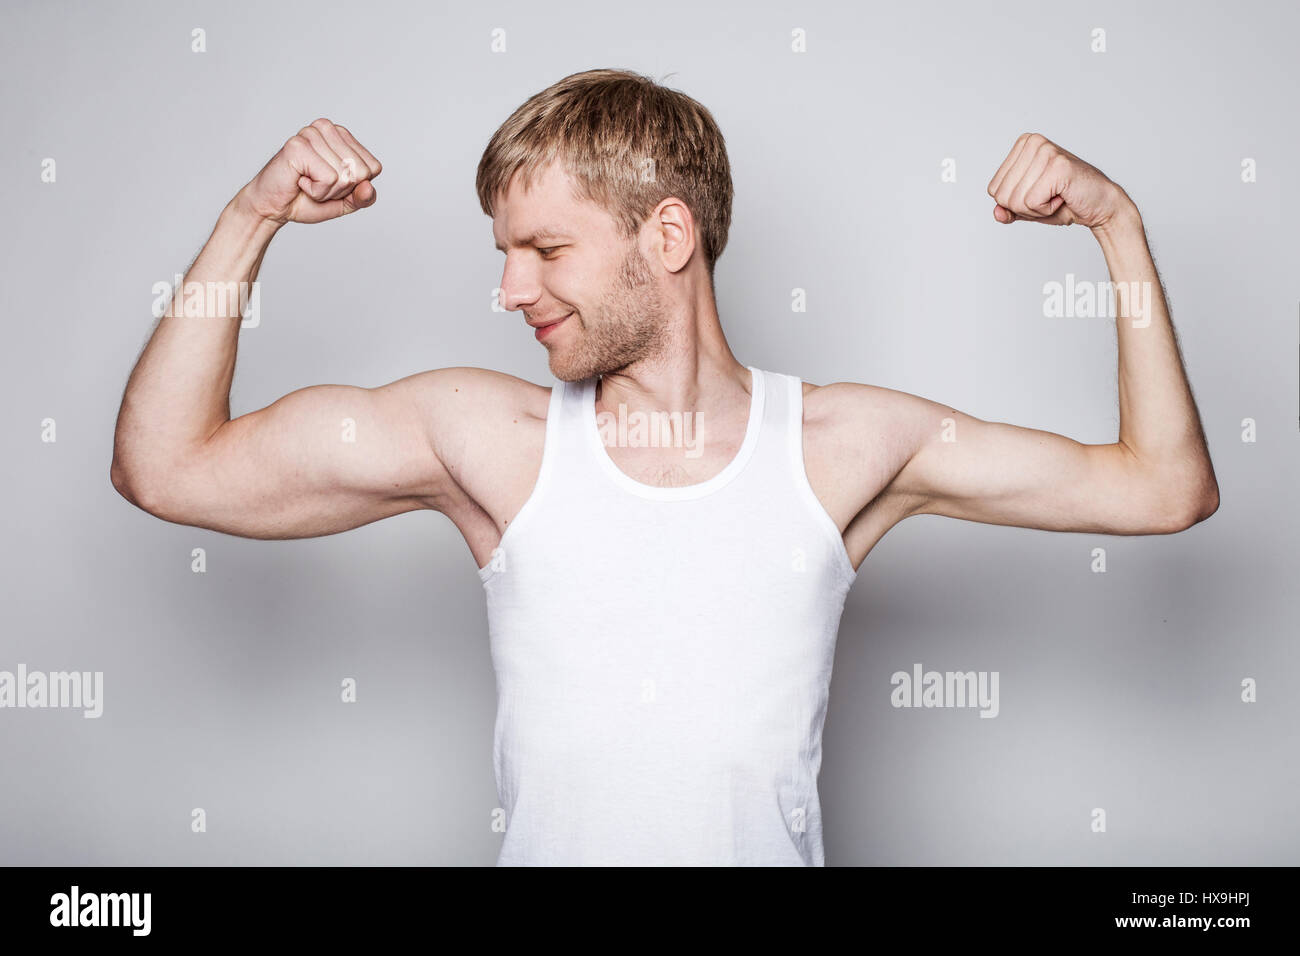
(319, 460)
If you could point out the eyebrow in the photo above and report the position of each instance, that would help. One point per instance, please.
(543, 232)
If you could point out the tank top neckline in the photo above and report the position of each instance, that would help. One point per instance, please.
(757, 391)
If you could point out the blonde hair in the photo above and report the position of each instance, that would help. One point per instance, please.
(628, 143)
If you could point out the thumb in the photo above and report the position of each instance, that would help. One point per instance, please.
(362, 196)
(1004, 215)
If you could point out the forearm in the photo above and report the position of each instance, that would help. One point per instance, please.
(179, 391)
(1158, 421)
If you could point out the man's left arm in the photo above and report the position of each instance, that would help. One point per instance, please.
(1157, 477)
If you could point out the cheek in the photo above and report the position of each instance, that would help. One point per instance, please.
(570, 276)
(573, 284)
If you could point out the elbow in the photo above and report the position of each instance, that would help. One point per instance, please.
(121, 479)
(130, 489)
(117, 473)
(1191, 507)
(128, 483)
(1210, 503)
(123, 470)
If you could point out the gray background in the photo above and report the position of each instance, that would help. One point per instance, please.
(1118, 690)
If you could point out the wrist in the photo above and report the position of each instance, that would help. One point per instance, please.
(241, 212)
(1125, 222)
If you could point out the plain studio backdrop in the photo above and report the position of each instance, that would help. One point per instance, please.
(1119, 691)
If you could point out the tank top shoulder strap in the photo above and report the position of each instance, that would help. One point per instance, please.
(568, 409)
(787, 410)
(781, 448)
(566, 454)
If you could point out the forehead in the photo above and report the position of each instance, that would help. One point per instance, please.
(548, 209)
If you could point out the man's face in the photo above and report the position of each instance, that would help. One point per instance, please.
(565, 259)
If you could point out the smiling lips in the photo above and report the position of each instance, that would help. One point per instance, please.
(547, 328)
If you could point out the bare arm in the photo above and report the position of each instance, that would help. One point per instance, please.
(320, 459)
(1157, 478)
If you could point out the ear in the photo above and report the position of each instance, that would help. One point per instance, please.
(674, 228)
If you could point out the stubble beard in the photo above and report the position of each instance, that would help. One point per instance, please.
(628, 326)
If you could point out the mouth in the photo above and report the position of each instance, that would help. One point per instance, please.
(549, 328)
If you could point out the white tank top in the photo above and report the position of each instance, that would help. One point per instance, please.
(663, 654)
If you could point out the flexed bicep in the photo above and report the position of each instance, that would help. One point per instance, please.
(317, 461)
(993, 472)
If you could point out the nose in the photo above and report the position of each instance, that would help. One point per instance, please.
(519, 285)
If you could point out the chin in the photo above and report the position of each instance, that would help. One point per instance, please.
(572, 365)
(568, 371)
(576, 364)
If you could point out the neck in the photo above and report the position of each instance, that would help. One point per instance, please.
(694, 371)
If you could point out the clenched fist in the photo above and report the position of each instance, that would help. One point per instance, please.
(1042, 182)
(321, 173)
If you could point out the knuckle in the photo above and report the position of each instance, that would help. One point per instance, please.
(321, 123)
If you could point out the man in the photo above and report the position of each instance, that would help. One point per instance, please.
(663, 602)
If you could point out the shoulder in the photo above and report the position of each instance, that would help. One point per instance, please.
(474, 392)
(862, 436)
(856, 440)
(487, 429)
(474, 416)
(853, 408)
